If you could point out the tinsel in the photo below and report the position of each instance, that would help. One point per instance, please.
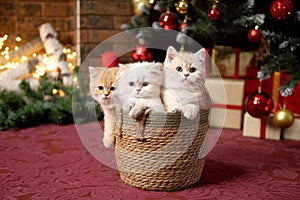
(288, 88)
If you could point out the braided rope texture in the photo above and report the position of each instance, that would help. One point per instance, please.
(163, 152)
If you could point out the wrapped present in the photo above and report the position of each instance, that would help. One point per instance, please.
(227, 97)
(293, 133)
(231, 62)
(260, 127)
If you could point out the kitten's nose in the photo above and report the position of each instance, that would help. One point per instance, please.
(186, 75)
(106, 95)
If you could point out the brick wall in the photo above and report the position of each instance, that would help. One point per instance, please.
(99, 19)
(22, 18)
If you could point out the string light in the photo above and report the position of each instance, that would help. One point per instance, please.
(45, 65)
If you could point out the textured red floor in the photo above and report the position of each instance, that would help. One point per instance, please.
(50, 162)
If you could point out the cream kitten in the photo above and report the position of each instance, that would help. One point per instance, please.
(184, 82)
(139, 87)
(102, 85)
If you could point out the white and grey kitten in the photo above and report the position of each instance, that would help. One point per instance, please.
(139, 88)
(184, 82)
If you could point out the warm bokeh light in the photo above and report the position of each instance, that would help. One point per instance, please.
(45, 65)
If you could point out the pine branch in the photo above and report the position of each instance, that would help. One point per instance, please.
(31, 108)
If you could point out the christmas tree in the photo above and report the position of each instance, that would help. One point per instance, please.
(248, 24)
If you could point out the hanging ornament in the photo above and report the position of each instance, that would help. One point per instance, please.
(182, 6)
(259, 104)
(168, 20)
(254, 35)
(183, 25)
(141, 53)
(281, 9)
(283, 118)
(214, 14)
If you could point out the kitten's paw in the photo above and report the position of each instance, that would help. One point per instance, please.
(175, 110)
(136, 112)
(109, 141)
(127, 107)
(190, 111)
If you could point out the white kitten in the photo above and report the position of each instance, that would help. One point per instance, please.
(139, 87)
(184, 83)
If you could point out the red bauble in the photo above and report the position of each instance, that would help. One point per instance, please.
(281, 9)
(259, 104)
(254, 35)
(168, 20)
(141, 54)
(214, 14)
(182, 26)
(109, 59)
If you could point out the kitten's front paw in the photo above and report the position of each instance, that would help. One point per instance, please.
(109, 141)
(127, 107)
(136, 112)
(190, 111)
(175, 110)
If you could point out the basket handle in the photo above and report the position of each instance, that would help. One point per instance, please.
(141, 123)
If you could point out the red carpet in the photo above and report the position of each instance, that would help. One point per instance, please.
(50, 162)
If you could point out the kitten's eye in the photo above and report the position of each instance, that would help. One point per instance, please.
(145, 84)
(193, 69)
(131, 83)
(100, 88)
(179, 69)
(112, 88)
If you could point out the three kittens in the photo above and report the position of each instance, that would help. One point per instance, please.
(177, 86)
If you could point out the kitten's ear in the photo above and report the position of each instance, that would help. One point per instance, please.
(94, 72)
(171, 53)
(124, 68)
(156, 69)
(201, 54)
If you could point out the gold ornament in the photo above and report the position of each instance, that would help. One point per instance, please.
(182, 6)
(138, 5)
(283, 118)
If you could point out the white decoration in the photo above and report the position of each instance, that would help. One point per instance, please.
(54, 49)
(21, 70)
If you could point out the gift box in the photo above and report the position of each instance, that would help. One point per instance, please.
(263, 128)
(227, 98)
(293, 133)
(231, 62)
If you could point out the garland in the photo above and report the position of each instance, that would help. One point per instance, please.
(34, 107)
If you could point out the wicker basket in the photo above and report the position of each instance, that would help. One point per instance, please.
(162, 151)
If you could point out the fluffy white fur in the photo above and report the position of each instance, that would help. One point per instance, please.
(184, 83)
(139, 87)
